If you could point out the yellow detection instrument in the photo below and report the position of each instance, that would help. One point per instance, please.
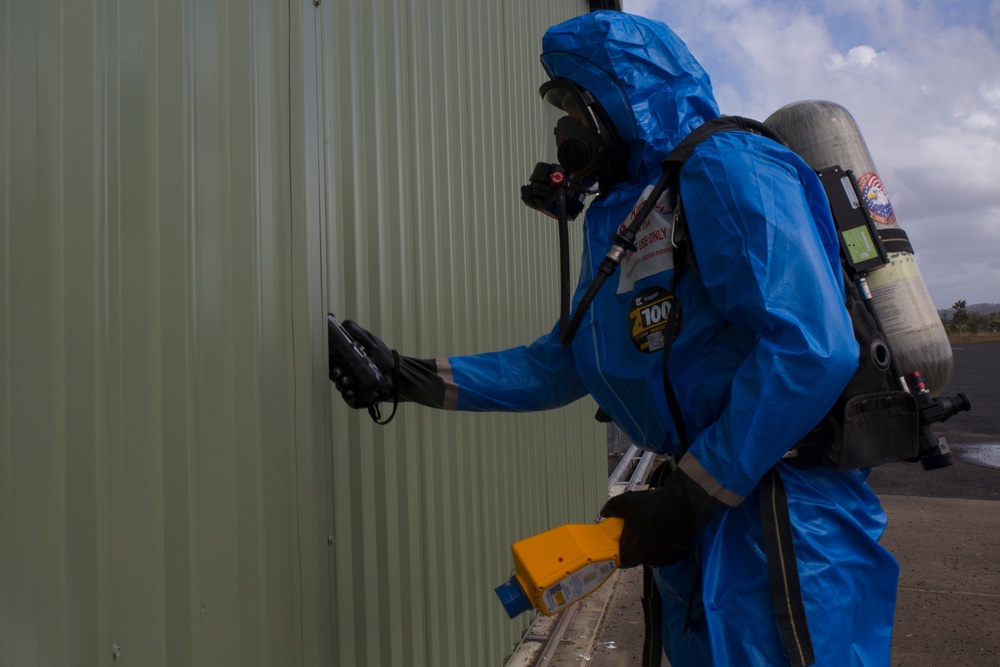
(556, 568)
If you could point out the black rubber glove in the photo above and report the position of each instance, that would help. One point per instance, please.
(379, 353)
(661, 524)
(404, 378)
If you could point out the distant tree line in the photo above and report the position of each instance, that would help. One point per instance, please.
(963, 319)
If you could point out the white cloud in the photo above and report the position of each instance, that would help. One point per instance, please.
(859, 56)
(991, 93)
(980, 120)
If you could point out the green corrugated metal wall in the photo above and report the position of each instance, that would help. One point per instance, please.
(432, 112)
(187, 187)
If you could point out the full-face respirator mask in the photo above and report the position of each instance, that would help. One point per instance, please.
(590, 158)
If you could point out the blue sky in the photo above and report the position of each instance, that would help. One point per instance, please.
(922, 78)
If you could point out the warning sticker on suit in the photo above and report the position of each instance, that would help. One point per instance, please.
(654, 252)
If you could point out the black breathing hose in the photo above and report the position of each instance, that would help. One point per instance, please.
(622, 244)
(564, 288)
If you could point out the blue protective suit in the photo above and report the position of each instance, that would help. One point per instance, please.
(764, 349)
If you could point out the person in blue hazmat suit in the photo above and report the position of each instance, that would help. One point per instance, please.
(758, 348)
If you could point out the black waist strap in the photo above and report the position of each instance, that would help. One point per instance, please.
(652, 603)
(652, 613)
(786, 594)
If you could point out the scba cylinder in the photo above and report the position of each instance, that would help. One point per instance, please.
(826, 135)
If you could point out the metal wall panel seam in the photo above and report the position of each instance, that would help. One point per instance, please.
(306, 293)
(175, 201)
(240, 195)
(83, 261)
(136, 450)
(5, 328)
(51, 446)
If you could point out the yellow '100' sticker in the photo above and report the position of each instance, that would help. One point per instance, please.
(653, 318)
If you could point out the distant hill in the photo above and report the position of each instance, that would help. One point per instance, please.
(981, 308)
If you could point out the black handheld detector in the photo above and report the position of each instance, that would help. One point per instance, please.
(360, 374)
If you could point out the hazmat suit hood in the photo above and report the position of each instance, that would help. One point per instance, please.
(651, 87)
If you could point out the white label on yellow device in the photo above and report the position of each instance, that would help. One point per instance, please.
(581, 583)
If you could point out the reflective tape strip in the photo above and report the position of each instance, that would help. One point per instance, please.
(450, 400)
(693, 468)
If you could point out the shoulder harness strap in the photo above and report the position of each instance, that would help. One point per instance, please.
(674, 163)
(672, 166)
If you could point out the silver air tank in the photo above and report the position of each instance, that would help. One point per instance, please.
(826, 135)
